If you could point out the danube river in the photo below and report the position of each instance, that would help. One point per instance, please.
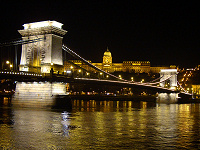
(101, 125)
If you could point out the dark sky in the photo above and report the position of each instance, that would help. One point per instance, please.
(161, 32)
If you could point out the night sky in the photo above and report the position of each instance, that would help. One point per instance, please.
(162, 32)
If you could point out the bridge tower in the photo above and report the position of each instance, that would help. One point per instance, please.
(172, 75)
(46, 54)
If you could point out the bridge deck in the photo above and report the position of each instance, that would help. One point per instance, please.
(31, 77)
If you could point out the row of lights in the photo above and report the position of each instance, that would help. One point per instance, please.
(87, 73)
(137, 83)
(20, 73)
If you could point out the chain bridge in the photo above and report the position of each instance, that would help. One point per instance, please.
(35, 64)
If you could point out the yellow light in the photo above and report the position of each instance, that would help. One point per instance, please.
(71, 67)
(11, 66)
(101, 73)
(134, 64)
(87, 73)
(7, 62)
(107, 76)
(79, 70)
(52, 64)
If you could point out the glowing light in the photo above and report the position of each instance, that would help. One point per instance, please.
(43, 24)
(134, 64)
(131, 78)
(168, 70)
(7, 62)
(44, 69)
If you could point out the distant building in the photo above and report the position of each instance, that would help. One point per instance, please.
(108, 66)
(196, 89)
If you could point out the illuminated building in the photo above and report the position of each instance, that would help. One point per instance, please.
(196, 89)
(45, 54)
(107, 61)
(126, 66)
(136, 66)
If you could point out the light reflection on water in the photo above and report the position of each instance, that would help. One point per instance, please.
(102, 125)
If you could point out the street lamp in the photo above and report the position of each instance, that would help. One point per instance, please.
(132, 78)
(7, 66)
(7, 62)
(11, 67)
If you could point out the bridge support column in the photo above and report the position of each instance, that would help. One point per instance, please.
(172, 75)
(42, 55)
(37, 94)
(170, 98)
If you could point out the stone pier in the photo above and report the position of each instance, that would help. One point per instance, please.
(37, 94)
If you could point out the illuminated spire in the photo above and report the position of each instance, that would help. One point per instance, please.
(107, 49)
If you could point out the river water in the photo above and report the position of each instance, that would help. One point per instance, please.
(101, 125)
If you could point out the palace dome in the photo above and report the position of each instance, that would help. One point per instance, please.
(107, 53)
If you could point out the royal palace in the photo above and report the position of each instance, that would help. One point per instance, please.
(108, 66)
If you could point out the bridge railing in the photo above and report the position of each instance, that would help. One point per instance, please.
(20, 73)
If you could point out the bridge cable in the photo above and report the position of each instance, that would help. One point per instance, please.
(157, 78)
(158, 81)
(81, 68)
(183, 89)
(21, 42)
(65, 48)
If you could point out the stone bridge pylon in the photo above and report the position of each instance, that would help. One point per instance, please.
(172, 75)
(42, 56)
